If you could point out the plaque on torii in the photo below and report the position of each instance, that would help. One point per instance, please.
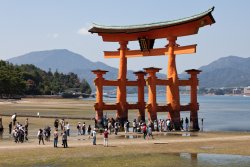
(146, 34)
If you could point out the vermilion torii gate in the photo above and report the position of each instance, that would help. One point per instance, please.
(146, 34)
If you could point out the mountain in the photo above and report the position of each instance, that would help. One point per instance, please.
(231, 71)
(66, 61)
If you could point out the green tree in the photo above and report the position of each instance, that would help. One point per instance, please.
(85, 87)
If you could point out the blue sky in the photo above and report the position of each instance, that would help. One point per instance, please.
(30, 25)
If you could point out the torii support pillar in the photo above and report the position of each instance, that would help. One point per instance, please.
(151, 82)
(122, 111)
(173, 96)
(99, 80)
(141, 102)
(194, 82)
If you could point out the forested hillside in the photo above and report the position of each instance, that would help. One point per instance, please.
(16, 80)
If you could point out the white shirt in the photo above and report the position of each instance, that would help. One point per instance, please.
(67, 126)
(13, 116)
(94, 133)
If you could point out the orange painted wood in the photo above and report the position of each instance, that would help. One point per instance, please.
(177, 30)
(184, 82)
(153, 52)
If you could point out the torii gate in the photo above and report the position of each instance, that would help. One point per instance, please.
(146, 34)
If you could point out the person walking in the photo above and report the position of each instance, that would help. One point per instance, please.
(40, 136)
(94, 136)
(64, 139)
(105, 135)
(55, 137)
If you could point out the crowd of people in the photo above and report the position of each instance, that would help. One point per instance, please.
(17, 130)
(110, 125)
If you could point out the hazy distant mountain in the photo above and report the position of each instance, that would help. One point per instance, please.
(66, 61)
(231, 71)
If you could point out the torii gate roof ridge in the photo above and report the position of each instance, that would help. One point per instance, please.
(147, 27)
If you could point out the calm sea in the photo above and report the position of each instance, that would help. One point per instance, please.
(220, 113)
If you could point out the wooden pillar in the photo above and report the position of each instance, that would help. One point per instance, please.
(141, 100)
(173, 96)
(152, 103)
(194, 123)
(99, 95)
(122, 111)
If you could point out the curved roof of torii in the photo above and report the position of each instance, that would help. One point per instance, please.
(102, 29)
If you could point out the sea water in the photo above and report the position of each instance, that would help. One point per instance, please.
(219, 113)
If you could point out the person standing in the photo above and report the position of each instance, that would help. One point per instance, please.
(168, 125)
(10, 127)
(64, 139)
(79, 128)
(125, 127)
(83, 128)
(56, 123)
(89, 130)
(105, 135)
(144, 130)
(67, 128)
(13, 118)
(110, 127)
(134, 125)
(182, 123)
(186, 121)
(62, 123)
(55, 137)
(149, 132)
(116, 127)
(26, 126)
(40, 136)
(94, 136)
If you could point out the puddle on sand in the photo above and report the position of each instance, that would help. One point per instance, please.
(140, 135)
(216, 159)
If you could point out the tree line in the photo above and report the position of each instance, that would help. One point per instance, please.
(18, 80)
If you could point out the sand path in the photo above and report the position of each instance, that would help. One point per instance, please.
(80, 142)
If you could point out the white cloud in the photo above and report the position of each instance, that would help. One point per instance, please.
(83, 31)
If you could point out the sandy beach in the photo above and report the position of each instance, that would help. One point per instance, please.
(166, 149)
